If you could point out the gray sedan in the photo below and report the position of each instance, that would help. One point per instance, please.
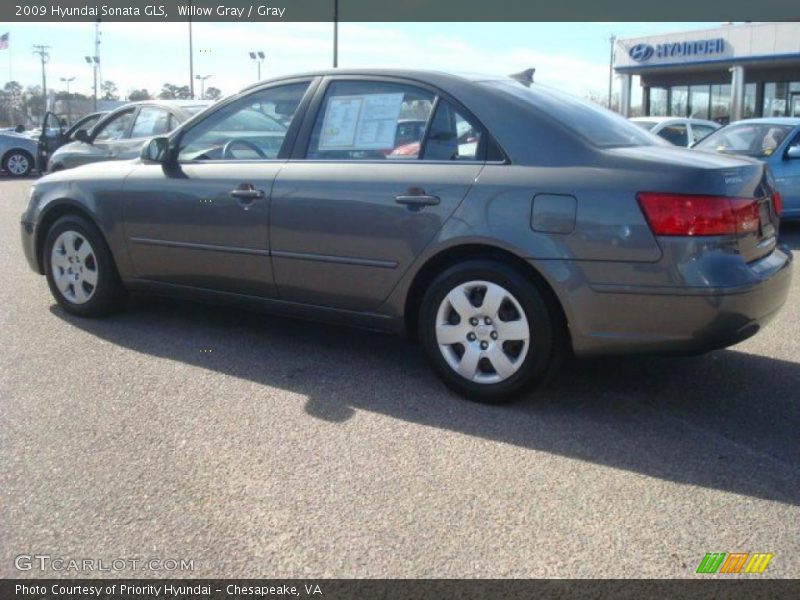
(522, 224)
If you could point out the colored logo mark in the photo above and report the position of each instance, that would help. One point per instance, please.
(734, 562)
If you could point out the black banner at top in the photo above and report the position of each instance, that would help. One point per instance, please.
(397, 10)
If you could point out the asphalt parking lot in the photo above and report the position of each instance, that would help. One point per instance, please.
(266, 447)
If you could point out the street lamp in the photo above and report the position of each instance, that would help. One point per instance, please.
(202, 80)
(95, 62)
(259, 57)
(67, 80)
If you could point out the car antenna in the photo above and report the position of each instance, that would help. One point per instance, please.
(524, 77)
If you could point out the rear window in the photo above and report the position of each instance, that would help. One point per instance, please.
(758, 140)
(599, 126)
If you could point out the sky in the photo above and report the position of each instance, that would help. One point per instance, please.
(570, 56)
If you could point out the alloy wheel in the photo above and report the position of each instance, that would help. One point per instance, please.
(18, 164)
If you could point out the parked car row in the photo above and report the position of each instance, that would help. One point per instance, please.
(516, 225)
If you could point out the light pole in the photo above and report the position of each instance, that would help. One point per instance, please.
(335, 33)
(95, 62)
(259, 57)
(611, 41)
(67, 81)
(202, 80)
(44, 56)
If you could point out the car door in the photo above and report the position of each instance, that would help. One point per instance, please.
(51, 137)
(203, 222)
(786, 169)
(359, 200)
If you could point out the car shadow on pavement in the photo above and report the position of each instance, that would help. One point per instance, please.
(726, 420)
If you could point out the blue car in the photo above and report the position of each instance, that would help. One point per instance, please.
(775, 141)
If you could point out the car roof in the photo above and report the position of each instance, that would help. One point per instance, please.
(426, 75)
(771, 121)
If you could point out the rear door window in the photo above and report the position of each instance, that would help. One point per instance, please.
(452, 135)
(701, 131)
(370, 120)
(151, 121)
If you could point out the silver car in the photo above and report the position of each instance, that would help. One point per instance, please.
(522, 225)
(678, 131)
(17, 153)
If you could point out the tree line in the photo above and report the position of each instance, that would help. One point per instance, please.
(26, 105)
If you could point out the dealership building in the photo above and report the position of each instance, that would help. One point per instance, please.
(730, 72)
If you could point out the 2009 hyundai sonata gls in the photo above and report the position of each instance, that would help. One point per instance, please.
(518, 224)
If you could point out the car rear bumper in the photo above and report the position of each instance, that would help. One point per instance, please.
(623, 319)
(29, 245)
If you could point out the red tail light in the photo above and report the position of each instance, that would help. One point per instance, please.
(777, 202)
(679, 214)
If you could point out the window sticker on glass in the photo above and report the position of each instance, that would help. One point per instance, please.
(365, 122)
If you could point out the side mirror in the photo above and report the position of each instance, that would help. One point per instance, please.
(156, 150)
(81, 135)
(793, 151)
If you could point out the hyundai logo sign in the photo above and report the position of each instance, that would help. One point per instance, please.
(644, 52)
(641, 52)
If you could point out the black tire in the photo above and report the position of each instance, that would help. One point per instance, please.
(108, 293)
(11, 155)
(546, 333)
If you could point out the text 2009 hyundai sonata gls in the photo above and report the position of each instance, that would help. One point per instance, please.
(521, 224)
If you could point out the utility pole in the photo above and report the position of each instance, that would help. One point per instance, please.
(611, 41)
(44, 56)
(335, 33)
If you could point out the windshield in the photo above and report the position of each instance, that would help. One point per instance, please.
(597, 125)
(758, 140)
(648, 125)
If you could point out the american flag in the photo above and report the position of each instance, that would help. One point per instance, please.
(4, 41)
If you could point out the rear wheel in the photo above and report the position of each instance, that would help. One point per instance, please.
(18, 163)
(488, 331)
(80, 269)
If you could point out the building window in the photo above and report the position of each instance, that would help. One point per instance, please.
(679, 101)
(777, 97)
(699, 98)
(750, 101)
(721, 103)
(658, 102)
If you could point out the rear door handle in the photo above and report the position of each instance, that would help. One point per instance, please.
(417, 200)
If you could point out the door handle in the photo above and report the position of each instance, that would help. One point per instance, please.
(246, 193)
(417, 200)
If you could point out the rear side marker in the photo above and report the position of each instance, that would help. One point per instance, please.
(696, 215)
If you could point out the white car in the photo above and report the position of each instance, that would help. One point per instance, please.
(678, 131)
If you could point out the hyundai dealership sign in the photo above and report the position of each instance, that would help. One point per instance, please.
(728, 44)
(644, 52)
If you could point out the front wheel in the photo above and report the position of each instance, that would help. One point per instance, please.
(488, 331)
(80, 269)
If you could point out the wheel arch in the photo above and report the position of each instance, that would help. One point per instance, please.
(52, 213)
(452, 255)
